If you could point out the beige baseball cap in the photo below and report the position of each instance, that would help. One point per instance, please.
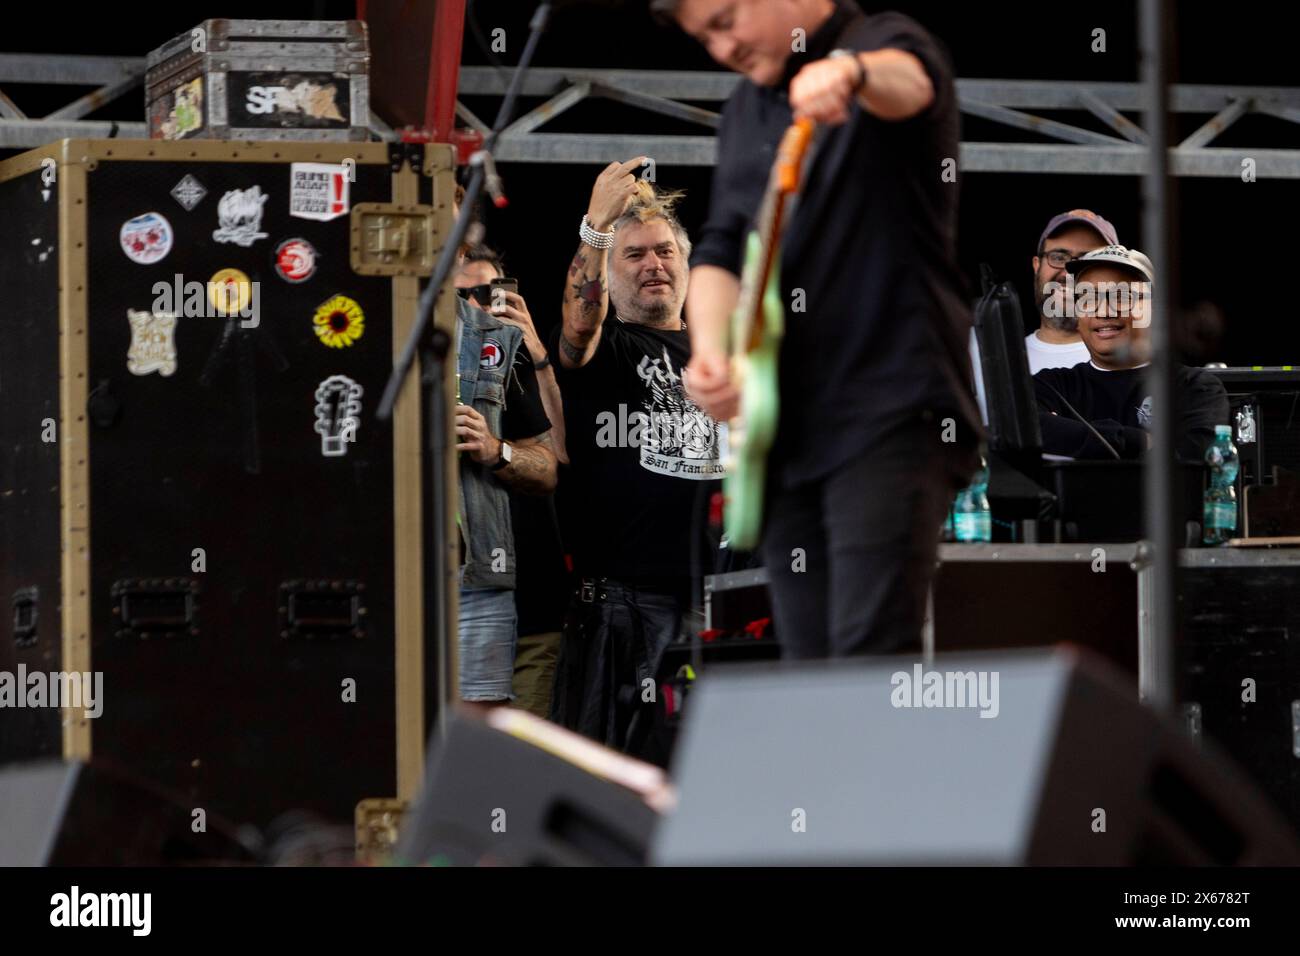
(1113, 255)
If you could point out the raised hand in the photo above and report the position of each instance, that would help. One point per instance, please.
(510, 308)
(612, 193)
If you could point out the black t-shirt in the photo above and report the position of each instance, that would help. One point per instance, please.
(641, 454)
(883, 333)
(1118, 404)
(541, 580)
(540, 589)
(524, 415)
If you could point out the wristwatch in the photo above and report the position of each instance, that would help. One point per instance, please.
(545, 362)
(506, 453)
(861, 81)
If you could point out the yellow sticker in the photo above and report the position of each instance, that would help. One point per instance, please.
(229, 291)
(339, 322)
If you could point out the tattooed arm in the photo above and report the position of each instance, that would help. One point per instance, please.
(532, 467)
(586, 303)
(586, 288)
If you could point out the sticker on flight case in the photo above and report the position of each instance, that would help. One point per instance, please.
(146, 239)
(492, 354)
(295, 260)
(240, 214)
(189, 192)
(153, 343)
(304, 98)
(338, 411)
(229, 291)
(186, 113)
(318, 190)
(339, 322)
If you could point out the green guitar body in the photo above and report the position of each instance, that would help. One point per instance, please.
(751, 434)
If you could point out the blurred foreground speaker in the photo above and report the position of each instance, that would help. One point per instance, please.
(84, 814)
(493, 798)
(1050, 760)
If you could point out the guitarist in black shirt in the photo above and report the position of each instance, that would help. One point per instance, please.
(877, 428)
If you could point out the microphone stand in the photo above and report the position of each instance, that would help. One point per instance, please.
(439, 344)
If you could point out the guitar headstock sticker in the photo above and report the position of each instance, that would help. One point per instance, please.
(338, 410)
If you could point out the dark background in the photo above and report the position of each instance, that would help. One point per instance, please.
(1234, 244)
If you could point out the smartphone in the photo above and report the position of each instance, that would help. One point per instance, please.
(508, 285)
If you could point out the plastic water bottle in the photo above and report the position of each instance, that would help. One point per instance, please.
(1220, 519)
(971, 509)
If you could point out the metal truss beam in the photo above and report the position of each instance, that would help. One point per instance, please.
(1080, 152)
(1037, 124)
(71, 70)
(92, 101)
(1217, 124)
(8, 109)
(713, 87)
(673, 93)
(1119, 160)
(1113, 118)
(29, 133)
(112, 76)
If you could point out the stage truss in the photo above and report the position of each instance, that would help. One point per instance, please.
(1119, 150)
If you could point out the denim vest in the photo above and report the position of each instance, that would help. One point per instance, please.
(484, 501)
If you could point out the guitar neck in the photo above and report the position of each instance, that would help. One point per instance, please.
(758, 267)
(783, 182)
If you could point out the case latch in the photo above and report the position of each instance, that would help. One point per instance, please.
(26, 603)
(392, 240)
(156, 607)
(322, 609)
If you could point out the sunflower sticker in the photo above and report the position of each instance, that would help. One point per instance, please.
(339, 322)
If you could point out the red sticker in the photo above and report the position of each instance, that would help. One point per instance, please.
(491, 356)
(337, 207)
(295, 260)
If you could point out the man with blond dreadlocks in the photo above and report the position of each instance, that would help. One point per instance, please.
(643, 456)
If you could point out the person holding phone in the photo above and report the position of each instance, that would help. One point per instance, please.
(506, 449)
(541, 579)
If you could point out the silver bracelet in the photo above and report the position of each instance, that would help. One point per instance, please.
(597, 240)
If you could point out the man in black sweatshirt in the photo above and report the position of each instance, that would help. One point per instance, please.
(1112, 297)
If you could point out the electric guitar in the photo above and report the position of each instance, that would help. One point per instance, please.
(757, 325)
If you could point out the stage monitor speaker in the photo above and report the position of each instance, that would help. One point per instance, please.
(83, 814)
(1036, 758)
(491, 798)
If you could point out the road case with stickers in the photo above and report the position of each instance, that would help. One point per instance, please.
(262, 79)
(200, 514)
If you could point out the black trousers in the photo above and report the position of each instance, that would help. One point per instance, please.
(614, 635)
(851, 556)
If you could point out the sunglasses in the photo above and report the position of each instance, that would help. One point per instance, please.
(479, 293)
